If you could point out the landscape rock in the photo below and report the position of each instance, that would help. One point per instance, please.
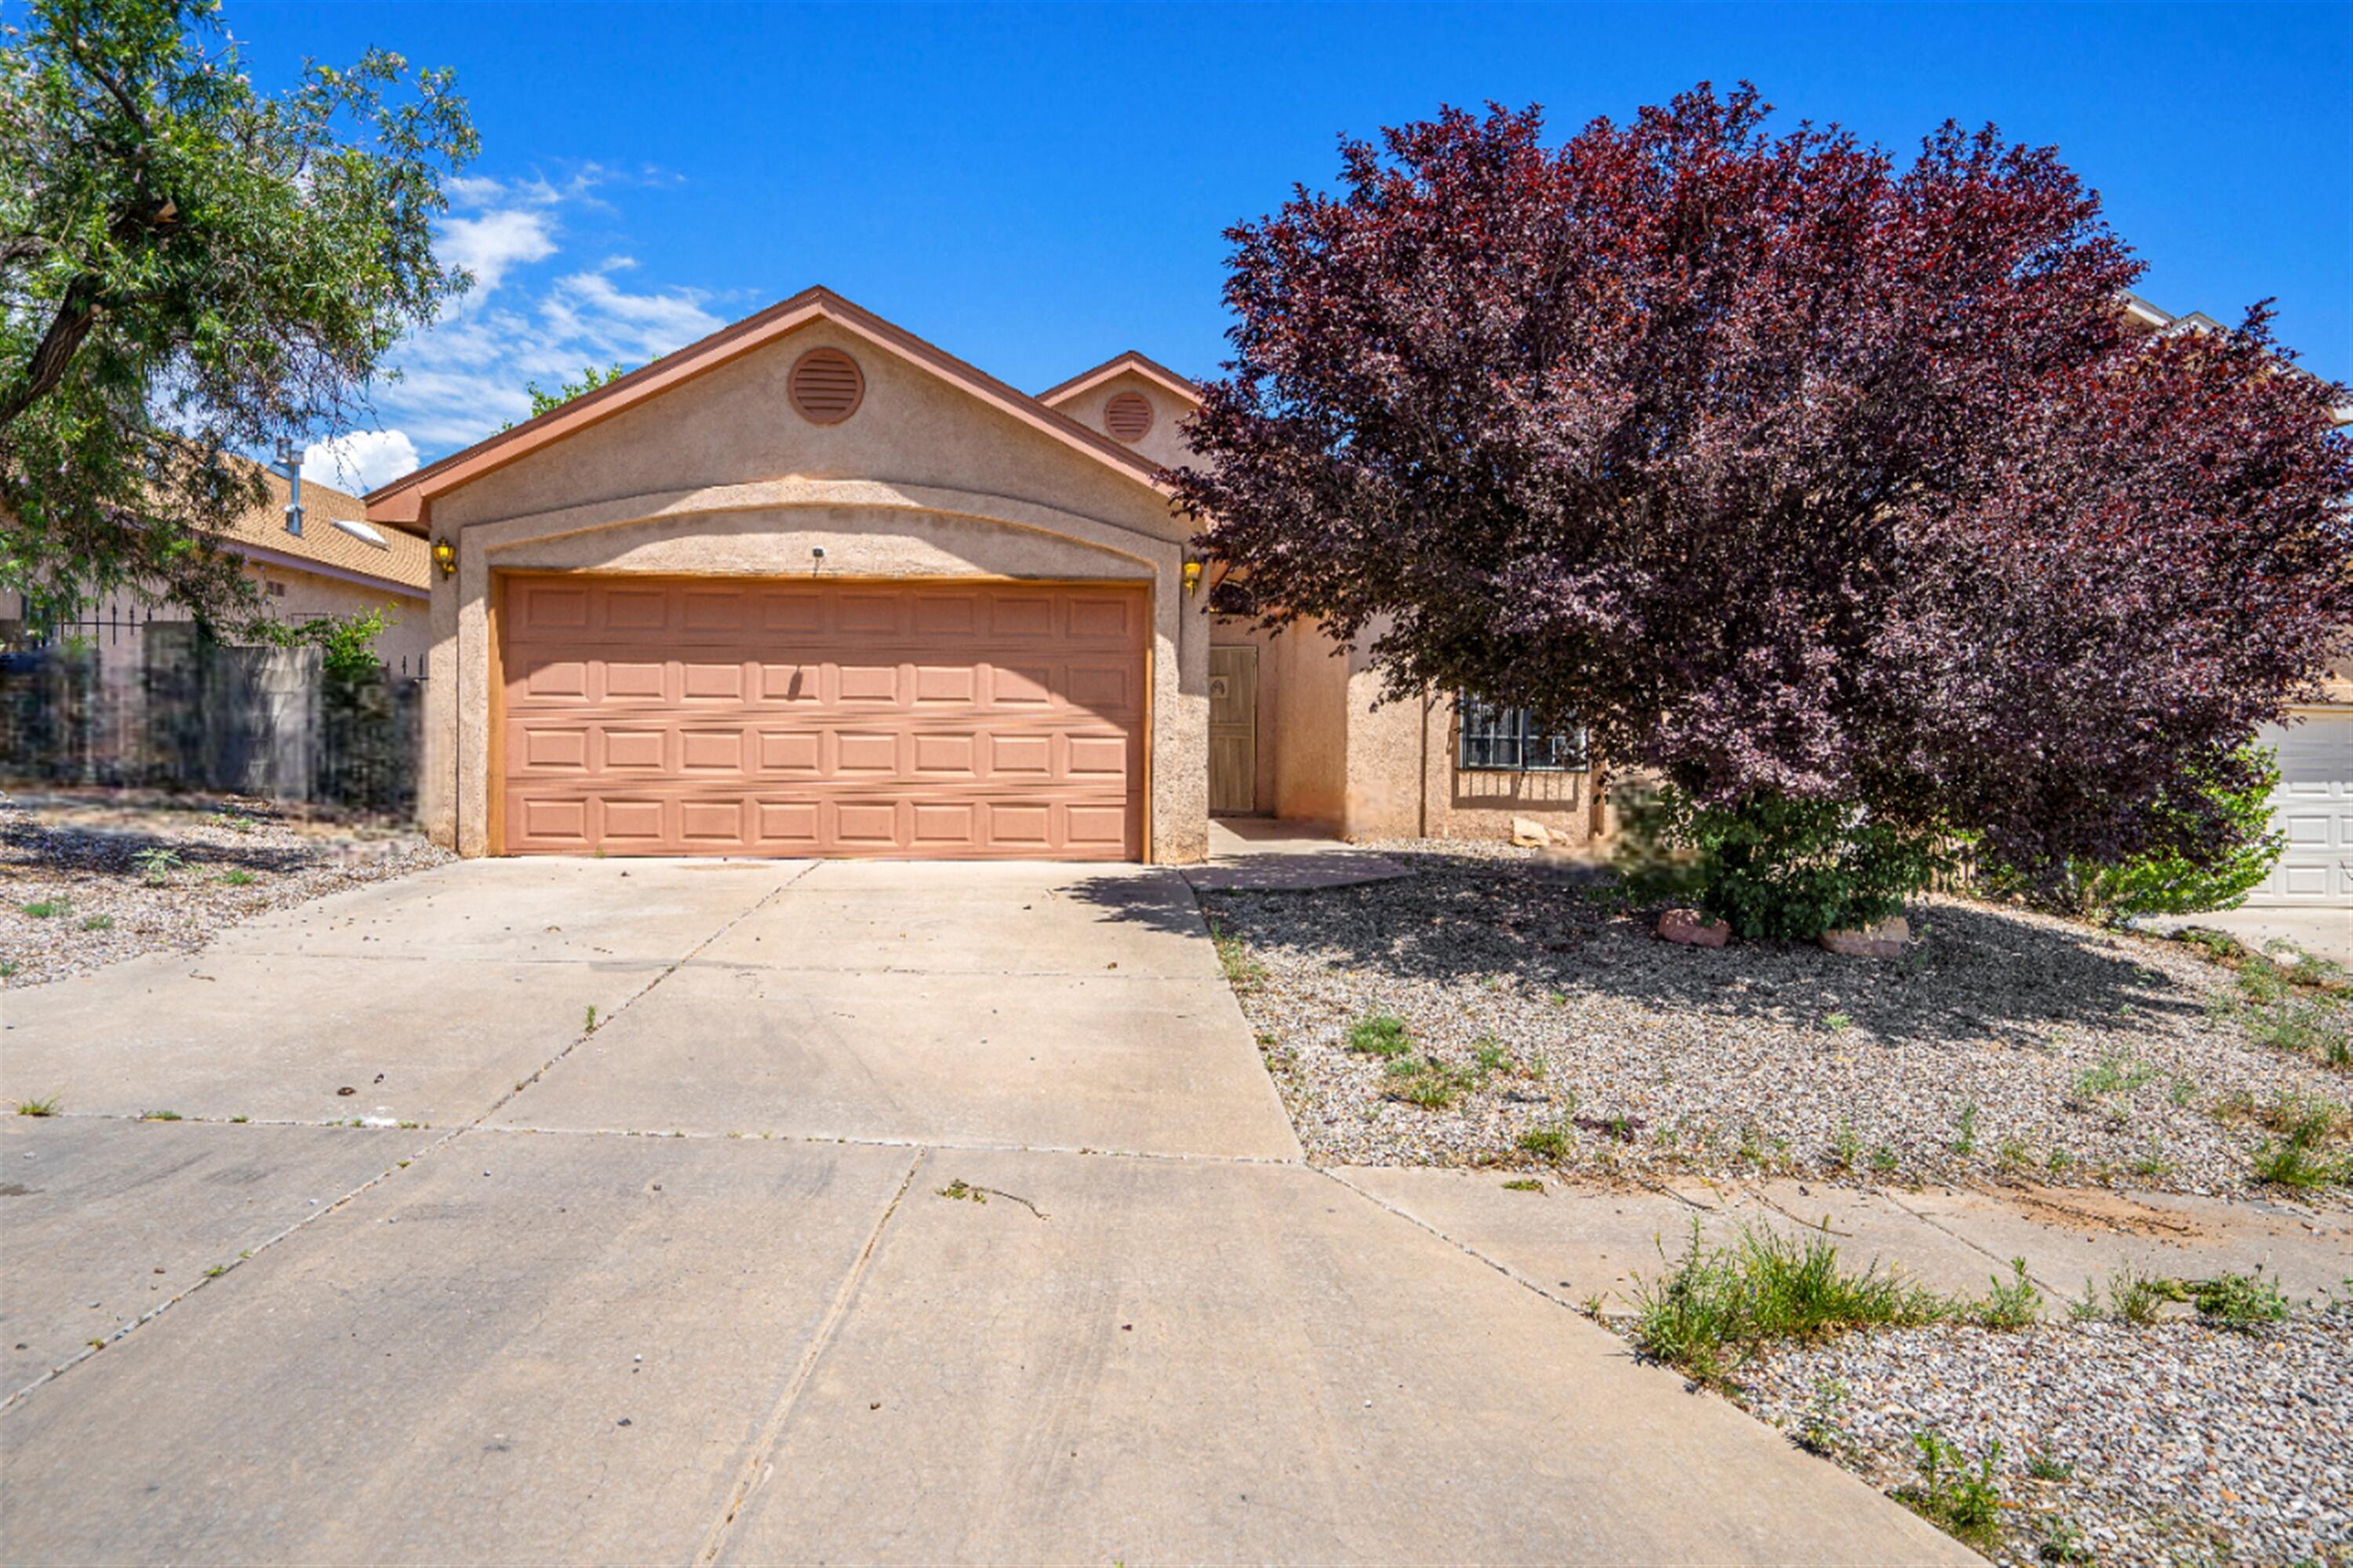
(1528, 834)
(1883, 939)
(1692, 929)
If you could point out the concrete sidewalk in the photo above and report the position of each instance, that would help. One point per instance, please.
(1140, 1328)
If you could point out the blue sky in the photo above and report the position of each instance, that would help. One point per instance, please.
(1036, 187)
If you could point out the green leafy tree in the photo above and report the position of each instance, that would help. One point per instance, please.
(2167, 882)
(543, 401)
(191, 268)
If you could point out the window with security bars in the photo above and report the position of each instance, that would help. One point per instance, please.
(1497, 739)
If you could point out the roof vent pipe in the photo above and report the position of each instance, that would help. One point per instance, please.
(292, 461)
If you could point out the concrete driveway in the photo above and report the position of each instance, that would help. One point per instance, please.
(436, 1266)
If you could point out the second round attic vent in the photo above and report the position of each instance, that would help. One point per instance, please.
(826, 386)
(1128, 417)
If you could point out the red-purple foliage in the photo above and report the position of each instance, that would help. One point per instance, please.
(1787, 471)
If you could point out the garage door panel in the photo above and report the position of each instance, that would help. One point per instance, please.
(868, 683)
(631, 821)
(637, 610)
(2311, 809)
(680, 717)
(623, 749)
(618, 680)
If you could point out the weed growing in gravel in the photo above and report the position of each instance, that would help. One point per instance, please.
(2063, 1542)
(157, 865)
(2296, 1157)
(2115, 1074)
(2132, 1297)
(1547, 1142)
(2238, 1302)
(1432, 1085)
(1379, 1034)
(98, 923)
(1490, 1056)
(39, 1107)
(1716, 1307)
(1846, 1148)
(1884, 1160)
(1958, 1497)
(1838, 1022)
(8, 968)
(1966, 1142)
(1824, 1432)
(2014, 1154)
(2011, 1303)
(1244, 974)
(237, 877)
(47, 908)
(2042, 1466)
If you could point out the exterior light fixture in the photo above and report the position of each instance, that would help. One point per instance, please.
(445, 556)
(1192, 577)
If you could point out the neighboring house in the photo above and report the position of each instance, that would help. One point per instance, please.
(322, 571)
(2313, 807)
(812, 586)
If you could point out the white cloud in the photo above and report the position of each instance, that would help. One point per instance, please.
(464, 377)
(587, 308)
(359, 461)
(500, 239)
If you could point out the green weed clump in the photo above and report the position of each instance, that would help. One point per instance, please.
(1432, 1085)
(1717, 1307)
(2238, 1302)
(1960, 1498)
(1379, 1034)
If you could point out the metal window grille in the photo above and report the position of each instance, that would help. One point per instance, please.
(1497, 739)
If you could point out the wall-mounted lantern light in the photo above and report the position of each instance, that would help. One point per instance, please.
(1192, 577)
(445, 556)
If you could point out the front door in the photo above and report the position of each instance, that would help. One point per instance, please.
(1233, 731)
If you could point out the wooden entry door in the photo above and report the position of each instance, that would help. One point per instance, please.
(1233, 731)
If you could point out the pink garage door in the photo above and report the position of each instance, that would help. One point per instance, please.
(728, 716)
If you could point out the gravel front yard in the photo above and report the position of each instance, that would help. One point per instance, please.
(89, 878)
(2173, 1443)
(1550, 1025)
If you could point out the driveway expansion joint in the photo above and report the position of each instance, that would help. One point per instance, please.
(335, 1205)
(1505, 1269)
(757, 1463)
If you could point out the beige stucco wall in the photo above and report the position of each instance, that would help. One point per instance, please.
(407, 633)
(1164, 443)
(719, 476)
(1372, 769)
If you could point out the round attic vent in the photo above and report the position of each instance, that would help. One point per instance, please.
(1128, 417)
(826, 386)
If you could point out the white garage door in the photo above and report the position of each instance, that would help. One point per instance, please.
(2313, 807)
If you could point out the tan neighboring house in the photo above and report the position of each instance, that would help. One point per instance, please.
(813, 586)
(2313, 807)
(323, 571)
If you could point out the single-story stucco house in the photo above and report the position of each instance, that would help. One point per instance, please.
(813, 586)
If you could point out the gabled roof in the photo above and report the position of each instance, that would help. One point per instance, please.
(1150, 369)
(401, 561)
(405, 501)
